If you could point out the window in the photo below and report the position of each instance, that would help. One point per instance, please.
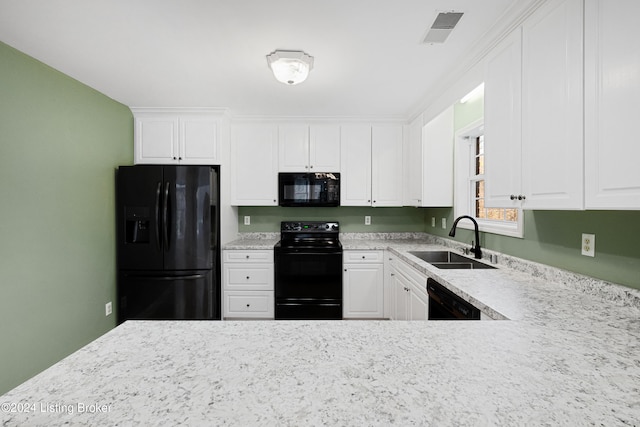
(470, 186)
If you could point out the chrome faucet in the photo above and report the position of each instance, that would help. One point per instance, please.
(475, 249)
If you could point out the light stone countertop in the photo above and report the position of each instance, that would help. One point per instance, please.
(567, 356)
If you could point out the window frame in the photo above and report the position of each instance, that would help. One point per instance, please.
(464, 173)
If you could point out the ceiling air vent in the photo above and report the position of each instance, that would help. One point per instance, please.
(441, 28)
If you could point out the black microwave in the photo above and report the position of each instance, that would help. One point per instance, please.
(309, 189)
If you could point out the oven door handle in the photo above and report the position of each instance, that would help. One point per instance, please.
(307, 252)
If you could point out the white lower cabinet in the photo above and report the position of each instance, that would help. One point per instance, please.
(363, 285)
(247, 278)
(410, 300)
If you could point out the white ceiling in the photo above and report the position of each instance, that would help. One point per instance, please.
(369, 60)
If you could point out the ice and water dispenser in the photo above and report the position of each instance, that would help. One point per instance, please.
(137, 224)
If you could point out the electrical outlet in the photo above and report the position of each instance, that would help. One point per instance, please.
(108, 309)
(433, 221)
(588, 245)
(367, 220)
(247, 220)
(444, 223)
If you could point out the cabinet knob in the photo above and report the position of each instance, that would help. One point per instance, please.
(311, 167)
(363, 257)
(247, 256)
(248, 305)
(175, 158)
(345, 269)
(393, 274)
(512, 197)
(248, 277)
(521, 197)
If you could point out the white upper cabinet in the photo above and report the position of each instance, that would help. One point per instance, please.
(533, 112)
(430, 161)
(413, 161)
(309, 148)
(371, 165)
(502, 121)
(293, 148)
(552, 107)
(386, 165)
(612, 90)
(324, 148)
(176, 137)
(355, 165)
(254, 165)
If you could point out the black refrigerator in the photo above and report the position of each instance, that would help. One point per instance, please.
(168, 242)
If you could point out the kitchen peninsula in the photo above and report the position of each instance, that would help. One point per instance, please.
(566, 356)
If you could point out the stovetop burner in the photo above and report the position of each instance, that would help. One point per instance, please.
(309, 234)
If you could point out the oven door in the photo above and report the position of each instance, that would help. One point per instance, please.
(308, 284)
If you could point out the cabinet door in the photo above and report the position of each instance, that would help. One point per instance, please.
(355, 165)
(324, 148)
(399, 288)
(386, 165)
(293, 146)
(612, 90)
(413, 161)
(419, 304)
(199, 140)
(502, 122)
(156, 139)
(552, 107)
(437, 160)
(363, 291)
(254, 165)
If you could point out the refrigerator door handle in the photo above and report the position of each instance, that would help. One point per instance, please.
(157, 228)
(165, 214)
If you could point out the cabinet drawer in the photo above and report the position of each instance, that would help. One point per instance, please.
(248, 256)
(255, 277)
(363, 256)
(253, 304)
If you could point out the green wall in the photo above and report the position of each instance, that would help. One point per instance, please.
(60, 142)
(267, 219)
(553, 237)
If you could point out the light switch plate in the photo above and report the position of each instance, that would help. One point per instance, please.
(433, 221)
(444, 223)
(588, 245)
(367, 220)
(247, 220)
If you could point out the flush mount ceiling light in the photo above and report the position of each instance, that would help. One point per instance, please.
(290, 66)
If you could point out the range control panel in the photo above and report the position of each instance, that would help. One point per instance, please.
(309, 227)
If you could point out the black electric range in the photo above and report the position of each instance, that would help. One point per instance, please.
(308, 271)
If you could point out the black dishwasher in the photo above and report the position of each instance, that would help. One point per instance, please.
(445, 305)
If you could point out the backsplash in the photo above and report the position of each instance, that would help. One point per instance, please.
(351, 219)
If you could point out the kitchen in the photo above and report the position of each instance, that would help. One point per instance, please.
(47, 115)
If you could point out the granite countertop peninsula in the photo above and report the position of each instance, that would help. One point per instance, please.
(567, 355)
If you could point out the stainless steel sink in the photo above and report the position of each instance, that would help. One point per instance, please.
(449, 260)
